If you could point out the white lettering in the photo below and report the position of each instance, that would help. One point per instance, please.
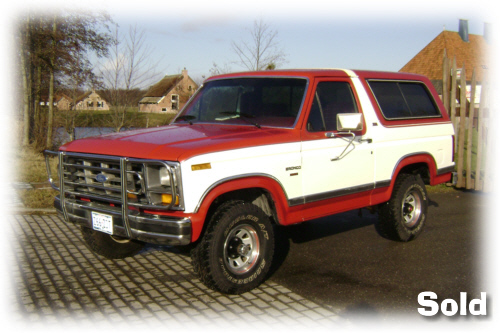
(434, 307)
(463, 304)
(449, 307)
(453, 305)
(482, 306)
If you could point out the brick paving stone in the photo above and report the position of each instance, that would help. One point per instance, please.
(236, 308)
(224, 300)
(260, 304)
(284, 298)
(297, 306)
(266, 297)
(57, 280)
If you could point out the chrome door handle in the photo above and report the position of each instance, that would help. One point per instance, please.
(365, 140)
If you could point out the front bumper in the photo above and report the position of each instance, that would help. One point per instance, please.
(156, 229)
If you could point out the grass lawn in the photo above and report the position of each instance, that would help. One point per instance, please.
(30, 166)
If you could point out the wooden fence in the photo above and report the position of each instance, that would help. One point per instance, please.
(468, 105)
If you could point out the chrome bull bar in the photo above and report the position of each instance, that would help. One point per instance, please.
(123, 198)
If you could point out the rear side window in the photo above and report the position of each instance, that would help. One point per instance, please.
(402, 100)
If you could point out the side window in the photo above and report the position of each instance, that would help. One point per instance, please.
(401, 100)
(330, 99)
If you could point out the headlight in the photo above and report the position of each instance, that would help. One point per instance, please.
(162, 185)
(164, 176)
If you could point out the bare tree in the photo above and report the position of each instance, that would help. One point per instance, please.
(217, 70)
(52, 68)
(263, 51)
(26, 77)
(80, 76)
(49, 47)
(140, 69)
(129, 68)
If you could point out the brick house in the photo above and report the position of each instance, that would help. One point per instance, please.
(91, 101)
(471, 50)
(169, 95)
(61, 101)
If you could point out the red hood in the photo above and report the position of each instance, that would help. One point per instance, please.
(180, 142)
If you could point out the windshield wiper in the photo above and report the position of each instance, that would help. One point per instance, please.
(244, 116)
(186, 117)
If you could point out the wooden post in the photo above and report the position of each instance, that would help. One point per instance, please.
(487, 179)
(461, 132)
(446, 82)
(453, 98)
(472, 106)
(478, 186)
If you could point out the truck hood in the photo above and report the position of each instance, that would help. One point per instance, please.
(180, 142)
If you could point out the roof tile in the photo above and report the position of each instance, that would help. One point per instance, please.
(429, 61)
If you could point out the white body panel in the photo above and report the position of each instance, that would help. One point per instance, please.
(271, 160)
(323, 173)
(392, 144)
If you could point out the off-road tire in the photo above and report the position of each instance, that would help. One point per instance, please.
(403, 217)
(109, 247)
(235, 253)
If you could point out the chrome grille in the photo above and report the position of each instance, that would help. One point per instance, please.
(98, 177)
(93, 176)
(102, 177)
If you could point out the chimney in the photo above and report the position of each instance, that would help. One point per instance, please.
(463, 30)
(487, 32)
(184, 73)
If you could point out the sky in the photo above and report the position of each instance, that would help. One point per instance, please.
(313, 34)
(382, 35)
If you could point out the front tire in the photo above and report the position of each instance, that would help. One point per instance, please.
(403, 217)
(110, 247)
(235, 253)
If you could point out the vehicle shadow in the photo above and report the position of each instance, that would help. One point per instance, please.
(317, 229)
(328, 226)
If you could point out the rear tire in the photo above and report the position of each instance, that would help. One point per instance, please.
(235, 253)
(403, 217)
(110, 247)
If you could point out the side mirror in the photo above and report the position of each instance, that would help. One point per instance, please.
(347, 122)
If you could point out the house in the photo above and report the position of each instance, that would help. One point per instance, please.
(471, 50)
(91, 101)
(169, 95)
(61, 101)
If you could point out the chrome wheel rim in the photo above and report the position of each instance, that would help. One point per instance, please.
(241, 249)
(411, 208)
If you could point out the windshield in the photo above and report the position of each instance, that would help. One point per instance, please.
(247, 101)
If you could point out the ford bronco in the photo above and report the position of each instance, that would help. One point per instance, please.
(253, 150)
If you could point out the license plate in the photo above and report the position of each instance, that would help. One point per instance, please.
(102, 222)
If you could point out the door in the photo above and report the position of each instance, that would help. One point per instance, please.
(334, 164)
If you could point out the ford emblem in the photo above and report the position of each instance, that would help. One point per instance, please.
(101, 178)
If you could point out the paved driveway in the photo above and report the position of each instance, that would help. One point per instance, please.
(57, 280)
(329, 273)
(342, 261)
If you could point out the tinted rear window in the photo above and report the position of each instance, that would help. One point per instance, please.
(400, 100)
